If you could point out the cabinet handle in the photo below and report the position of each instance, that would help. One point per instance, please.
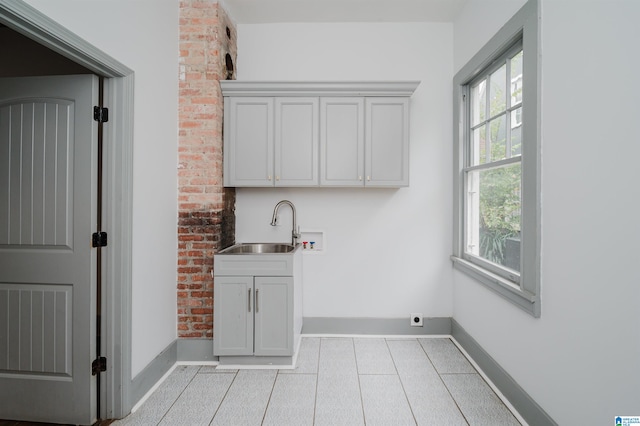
(368, 178)
(269, 178)
(359, 177)
(277, 178)
(257, 308)
(249, 300)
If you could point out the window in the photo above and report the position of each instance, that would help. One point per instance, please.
(492, 171)
(496, 144)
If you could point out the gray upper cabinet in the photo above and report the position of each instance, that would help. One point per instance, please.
(296, 141)
(316, 133)
(387, 142)
(364, 141)
(271, 141)
(248, 141)
(342, 141)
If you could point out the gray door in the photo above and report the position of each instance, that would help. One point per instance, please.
(48, 143)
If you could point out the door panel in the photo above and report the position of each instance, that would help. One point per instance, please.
(296, 142)
(248, 149)
(38, 329)
(233, 316)
(48, 143)
(273, 316)
(35, 172)
(387, 142)
(341, 141)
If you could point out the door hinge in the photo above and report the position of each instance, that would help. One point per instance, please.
(100, 114)
(98, 365)
(99, 239)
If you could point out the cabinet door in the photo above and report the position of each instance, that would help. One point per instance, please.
(387, 142)
(296, 141)
(233, 316)
(341, 141)
(274, 316)
(248, 141)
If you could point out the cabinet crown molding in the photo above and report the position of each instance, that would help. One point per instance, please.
(318, 88)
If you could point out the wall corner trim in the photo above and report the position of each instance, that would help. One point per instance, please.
(518, 397)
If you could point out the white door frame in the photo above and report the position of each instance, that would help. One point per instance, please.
(117, 180)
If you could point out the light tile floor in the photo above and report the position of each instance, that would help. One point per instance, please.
(337, 382)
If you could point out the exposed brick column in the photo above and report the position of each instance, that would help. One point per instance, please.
(206, 219)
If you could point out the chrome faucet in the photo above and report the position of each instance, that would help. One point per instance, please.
(274, 219)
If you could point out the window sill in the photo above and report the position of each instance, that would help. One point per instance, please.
(505, 288)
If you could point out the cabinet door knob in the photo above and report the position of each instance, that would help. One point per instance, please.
(269, 178)
(277, 178)
(368, 178)
(359, 177)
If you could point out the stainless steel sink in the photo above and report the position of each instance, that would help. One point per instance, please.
(258, 248)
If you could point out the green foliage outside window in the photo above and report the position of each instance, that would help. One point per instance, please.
(499, 211)
(499, 199)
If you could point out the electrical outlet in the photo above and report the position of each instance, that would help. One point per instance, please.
(416, 320)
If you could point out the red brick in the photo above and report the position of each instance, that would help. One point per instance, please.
(201, 198)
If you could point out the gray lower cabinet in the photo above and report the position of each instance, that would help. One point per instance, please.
(273, 334)
(253, 316)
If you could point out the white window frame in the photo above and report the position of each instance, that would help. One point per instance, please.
(522, 290)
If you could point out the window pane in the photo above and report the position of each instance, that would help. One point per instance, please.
(516, 132)
(493, 215)
(498, 142)
(479, 146)
(478, 103)
(516, 79)
(498, 101)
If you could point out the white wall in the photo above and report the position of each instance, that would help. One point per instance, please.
(387, 250)
(144, 36)
(579, 361)
(477, 23)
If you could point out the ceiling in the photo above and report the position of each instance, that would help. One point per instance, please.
(271, 11)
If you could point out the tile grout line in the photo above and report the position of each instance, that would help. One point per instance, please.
(386, 342)
(178, 397)
(315, 399)
(355, 358)
(153, 389)
(235, 375)
(455, 401)
(491, 385)
(273, 386)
